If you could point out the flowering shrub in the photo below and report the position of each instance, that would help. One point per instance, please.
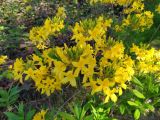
(61, 65)
(97, 60)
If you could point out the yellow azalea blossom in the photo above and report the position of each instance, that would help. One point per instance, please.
(47, 86)
(18, 69)
(48, 60)
(40, 115)
(59, 67)
(61, 12)
(88, 72)
(79, 66)
(61, 54)
(110, 95)
(37, 59)
(2, 59)
(29, 74)
(127, 21)
(116, 52)
(69, 77)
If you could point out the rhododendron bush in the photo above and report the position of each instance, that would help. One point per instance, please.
(116, 74)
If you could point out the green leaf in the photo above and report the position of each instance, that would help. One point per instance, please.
(77, 111)
(13, 99)
(137, 82)
(90, 117)
(54, 56)
(150, 107)
(122, 109)
(3, 93)
(66, 116)
(30, 114)
(21, 109)
(131, 103)
(2, 100)
(94, 111)
(84, 110)
(156, 88)
(2, 28)
(11, 116)
(138, 94)
(38, 53)
(137, 114)
(14, 91)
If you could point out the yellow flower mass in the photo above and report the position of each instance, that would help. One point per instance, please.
(40, 35)
(96, 60)
(147, 59)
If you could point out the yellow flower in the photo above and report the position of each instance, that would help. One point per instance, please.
(48, 60)
(18, 69)
(59, 68)
(37, 59)
(79, 66)
(61, 54)
(110, 95)
(40, 115)
(118, 28)
(116, 52)
(47, 86)
(69, 77)
(29, 74)
(127, 21)
(2, 59)
(61, 12)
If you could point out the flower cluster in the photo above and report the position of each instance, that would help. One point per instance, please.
(129, 5)
(136, 6)
(61, 65)
(147, 59)
(139, 21)
(114, 69)
(137, 18)
(55, 67)
(90, 29)
(40, 35)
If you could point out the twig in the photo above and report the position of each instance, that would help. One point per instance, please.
(66, 103)
(154, 33)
